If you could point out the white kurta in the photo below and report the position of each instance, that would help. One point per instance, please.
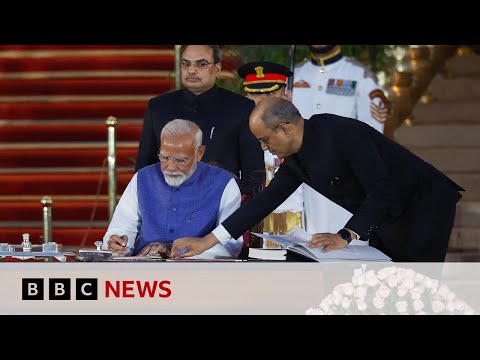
(127, 219)
(344, 88)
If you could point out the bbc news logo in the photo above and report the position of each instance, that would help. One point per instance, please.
(87, 289)
(59, 289)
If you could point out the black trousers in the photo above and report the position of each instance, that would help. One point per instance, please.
(422, 232)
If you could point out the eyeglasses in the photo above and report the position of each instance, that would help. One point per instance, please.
(264, 140)
(180, 161)
(200, 64)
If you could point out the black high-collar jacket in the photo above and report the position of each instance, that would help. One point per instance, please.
(402, 204)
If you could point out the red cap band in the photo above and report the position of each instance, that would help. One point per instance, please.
(268, 77)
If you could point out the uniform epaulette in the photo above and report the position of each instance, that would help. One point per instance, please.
(353, 61)
(305, 60)
(368, 73)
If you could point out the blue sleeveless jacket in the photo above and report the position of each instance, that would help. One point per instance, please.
(169, 212)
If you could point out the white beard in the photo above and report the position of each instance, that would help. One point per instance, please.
(177, 178)
(174, 178)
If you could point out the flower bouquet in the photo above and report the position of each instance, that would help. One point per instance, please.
(391, 291)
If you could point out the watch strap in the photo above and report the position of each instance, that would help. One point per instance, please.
(345, 234)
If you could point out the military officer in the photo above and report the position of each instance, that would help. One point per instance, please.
(263, 79)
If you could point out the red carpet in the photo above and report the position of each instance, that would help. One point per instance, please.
(73, 131)
(39, 87)
(70, 63)
(64, 157)
(58, 184)
(73, 110)
(61, 95)
(82, 47)
(61, 210)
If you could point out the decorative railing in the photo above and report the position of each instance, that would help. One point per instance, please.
(407, 81)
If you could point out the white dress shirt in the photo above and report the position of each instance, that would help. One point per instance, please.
(127, 219)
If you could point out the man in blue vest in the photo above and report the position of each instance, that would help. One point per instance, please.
(176, 197)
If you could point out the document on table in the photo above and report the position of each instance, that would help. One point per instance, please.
(297, 239)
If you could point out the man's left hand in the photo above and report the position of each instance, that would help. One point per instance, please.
(190, 246)
(156, 248)
(328, 241)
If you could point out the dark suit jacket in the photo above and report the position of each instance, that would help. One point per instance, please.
(363, 171)
(223, 118)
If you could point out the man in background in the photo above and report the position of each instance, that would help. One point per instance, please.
(222, 116)
(332, 83)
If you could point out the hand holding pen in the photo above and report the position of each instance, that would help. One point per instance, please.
(118, 244)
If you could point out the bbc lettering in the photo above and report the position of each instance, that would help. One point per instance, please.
(137, 289)
(87, 289)
(59, 289)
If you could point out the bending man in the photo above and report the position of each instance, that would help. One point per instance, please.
(404, 206)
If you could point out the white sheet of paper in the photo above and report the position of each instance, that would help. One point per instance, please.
(297, 239)
(267, 254)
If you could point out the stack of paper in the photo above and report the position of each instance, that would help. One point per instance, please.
(267, 254)
(297, 239)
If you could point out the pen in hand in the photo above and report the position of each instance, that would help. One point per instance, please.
(119, 244)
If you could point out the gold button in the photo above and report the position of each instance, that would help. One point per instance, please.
(318, 106)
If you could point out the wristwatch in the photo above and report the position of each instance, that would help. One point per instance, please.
(345, 234)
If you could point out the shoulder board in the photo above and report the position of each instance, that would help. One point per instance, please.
(368, 73)
(304, 61)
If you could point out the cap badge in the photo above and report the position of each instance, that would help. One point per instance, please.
(259, 71)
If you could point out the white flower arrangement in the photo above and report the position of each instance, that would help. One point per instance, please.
(392, 291)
